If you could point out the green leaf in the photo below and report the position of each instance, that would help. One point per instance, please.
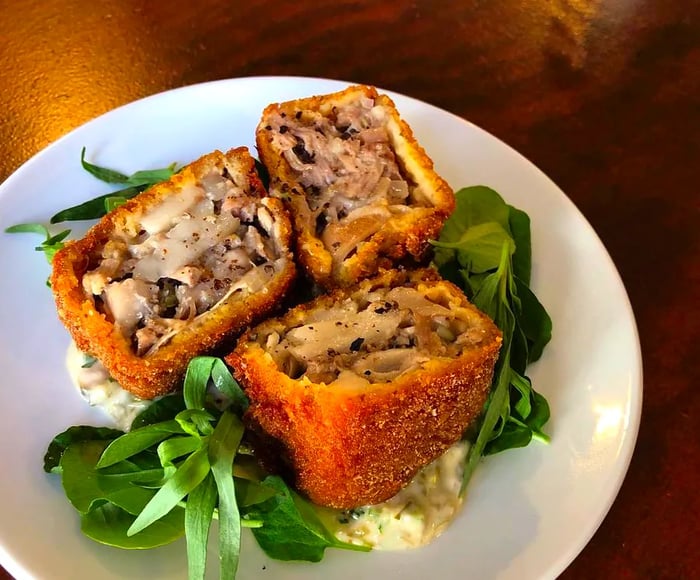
(139, 178)
(86, 487)
(128, 471)
(523, 387)
(49, 246)
(52, 245)
(479, 247)
(152, 176)
(492, 296)
(176, 447)
(539, 416)
(474, 205)
(114, 202)
(188, 476)
(263, 173)
(99, 206)
(498, 398)
(57, 239)
(60, 442)
(163, 409)
(29, 229)
(102, 173)
(195, 421)
(137, 440)
(94, 208)
(451, 271)
(223, 445)
(519, 223)
(199, 512)
(519, 348)
(247, 467)
(534, 320)
(108, 524)
(285, 534)
(485, 247)
(224, 381)
(512, 436)
(250, 493)
(196, 381)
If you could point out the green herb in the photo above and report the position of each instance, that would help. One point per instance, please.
(72, 435)
(148, 177)
(199, 512)
(96, 207)
(181, 465)
(114, 202)
(160, 410)
(108, 524)
(86, 486)
(222, 448)
(185, 478)
(138, 440)
(228, 386)
(99, 206)
(291, 529)
(485, 247)
(52, 242)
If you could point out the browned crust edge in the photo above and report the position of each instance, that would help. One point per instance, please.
(158, 374)
(348, 448)
(402, 236)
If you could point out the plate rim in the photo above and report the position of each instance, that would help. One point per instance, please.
(635, 402)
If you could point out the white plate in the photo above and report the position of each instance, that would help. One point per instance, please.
(529, 512)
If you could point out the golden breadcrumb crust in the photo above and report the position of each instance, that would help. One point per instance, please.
(401, 236)
(159, 373)
(349, 446)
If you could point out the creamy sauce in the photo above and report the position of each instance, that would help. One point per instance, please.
(415, 516)
(101, 390)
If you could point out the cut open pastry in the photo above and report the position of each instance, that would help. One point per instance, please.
(362, 192)
(354, 392)
(174, 271)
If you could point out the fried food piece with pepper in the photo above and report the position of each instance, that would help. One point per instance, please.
(175, 271)
(362, 192)
(352, 393)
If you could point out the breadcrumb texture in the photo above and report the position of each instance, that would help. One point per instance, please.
(402, 237)
(345, 446)
(161, 372)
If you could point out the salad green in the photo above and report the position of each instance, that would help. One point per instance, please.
(177, 470)
(485, 249)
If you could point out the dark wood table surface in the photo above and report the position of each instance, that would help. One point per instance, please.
(603, 95)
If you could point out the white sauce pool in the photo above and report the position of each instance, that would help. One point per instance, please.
(101, 390)
(415, 516)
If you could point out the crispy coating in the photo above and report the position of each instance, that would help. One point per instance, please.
(345, 446)
(402, 236)
(160, 372)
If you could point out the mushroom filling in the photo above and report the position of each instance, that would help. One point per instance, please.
(376, 339)
(353, 182)
(194, 249)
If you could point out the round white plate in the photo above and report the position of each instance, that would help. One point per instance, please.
(528, 513)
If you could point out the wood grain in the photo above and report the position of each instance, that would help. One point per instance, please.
(603, 95)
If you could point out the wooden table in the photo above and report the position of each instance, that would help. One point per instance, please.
(604, 96)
